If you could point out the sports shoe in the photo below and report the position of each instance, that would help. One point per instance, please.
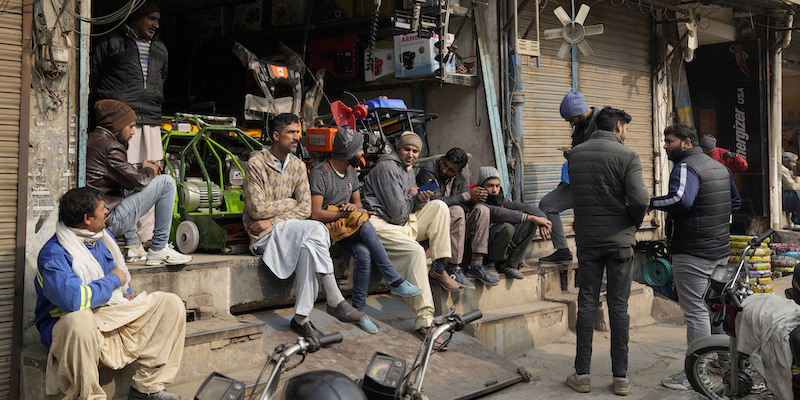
(580, 383)
(345, 312)
(479, 272)
(560, 256)
(135, 254)
(134, 394)
(445, 281)
(367, 325)
(492, 271)
(405, 290)
(622, 386)
(307, 329)
(513, 273)
(677, 381)
(168, 255)
(457, 274)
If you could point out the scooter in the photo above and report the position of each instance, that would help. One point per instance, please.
(714, 365)
(384, 379)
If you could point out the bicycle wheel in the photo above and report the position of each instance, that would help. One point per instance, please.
(708, 371)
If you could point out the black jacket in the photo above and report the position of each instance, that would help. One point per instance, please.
(502, 209)
(116, 73)
(609, 194)
(584, 131)
(458, 195)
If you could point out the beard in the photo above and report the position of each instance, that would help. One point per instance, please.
(355, 162)
(675, 154)
(121, 140)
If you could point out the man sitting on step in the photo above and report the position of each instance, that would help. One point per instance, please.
(129, 193)
(87, 313)
(513, 226)
(277, 203)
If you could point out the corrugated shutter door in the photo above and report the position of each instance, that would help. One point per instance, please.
(10, 69)
(617, 74)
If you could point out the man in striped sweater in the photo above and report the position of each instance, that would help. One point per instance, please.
(277, 204)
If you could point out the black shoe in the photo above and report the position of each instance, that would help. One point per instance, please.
(560, 256)
(134, 394)
(307, 329)
(513, 273)
(345, 312)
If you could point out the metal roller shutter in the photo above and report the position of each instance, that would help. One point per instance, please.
(10, 75)
(617, 74)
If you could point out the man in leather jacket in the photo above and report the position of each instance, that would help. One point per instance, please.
(128, 193)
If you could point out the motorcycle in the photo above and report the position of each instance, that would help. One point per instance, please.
(714, 365)
(384, 379)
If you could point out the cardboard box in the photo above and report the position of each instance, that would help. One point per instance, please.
(382, 61)
(414, 56)
(248, 17)
(288, 12)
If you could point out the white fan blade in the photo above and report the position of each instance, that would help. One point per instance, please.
(582, 14)
(592, 30)
(584, 48)
(562, 52)
(554, 33)
(562, 16)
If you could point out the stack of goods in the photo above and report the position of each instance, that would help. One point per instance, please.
(758, 263)
(785, 257)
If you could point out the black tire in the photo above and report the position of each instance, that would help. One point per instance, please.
(712, 382)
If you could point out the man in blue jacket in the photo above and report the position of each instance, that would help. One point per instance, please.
(87, 314)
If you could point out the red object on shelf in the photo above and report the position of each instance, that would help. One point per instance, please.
(338, 56)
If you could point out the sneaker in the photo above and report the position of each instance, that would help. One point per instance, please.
(457, 274)
(168, 255)
(345, 312)
(405, 290)
(134, 394)
(135, 254)
(677, 381)
(491, 270)
(622, 386)
(445, 281)
(560, 256)
(580, 383)
(367, 325)
(479, 272)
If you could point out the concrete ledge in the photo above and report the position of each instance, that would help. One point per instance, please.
(512, 330)
(509, 292)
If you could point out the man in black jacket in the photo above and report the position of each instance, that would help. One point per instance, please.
(513, 225)
(701, 199)
(610, 201)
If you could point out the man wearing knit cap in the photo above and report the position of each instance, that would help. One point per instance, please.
(581, 118)
(334, 184)
(733, 161)
(469, 220)
(129, 64)
(513, 225)
(128, 192)
(790, 187)
(404, 216)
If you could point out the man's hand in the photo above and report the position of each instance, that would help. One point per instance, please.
(566, 151)
(130, 296)
(413, 191)
(121, 274)
(545, 226)
(726, 155)
(349, 207)
(259, 226)
(478, 194)
(154, 165)
(424, 195)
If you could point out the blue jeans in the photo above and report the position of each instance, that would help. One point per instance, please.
(365, 247)
(160, 192)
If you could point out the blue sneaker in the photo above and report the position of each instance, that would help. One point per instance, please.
(405, 290)
(367, 325)
(480, 273)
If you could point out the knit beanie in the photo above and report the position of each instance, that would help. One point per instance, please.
(573, 105)
(708, 142)
(146, 9)
(486, 173)
(113, 115)
(411, 138)
(346, 143)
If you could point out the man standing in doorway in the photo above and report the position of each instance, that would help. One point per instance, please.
(701, 199)
(581, 118)
(610, 203)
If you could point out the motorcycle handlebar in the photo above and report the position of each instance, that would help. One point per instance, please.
(327, 340)
(469, 317)
(757, 241)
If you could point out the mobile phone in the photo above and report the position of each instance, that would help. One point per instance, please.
(431, 185)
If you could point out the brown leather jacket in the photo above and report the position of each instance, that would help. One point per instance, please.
(108, 171)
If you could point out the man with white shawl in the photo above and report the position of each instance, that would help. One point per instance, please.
(86, 312)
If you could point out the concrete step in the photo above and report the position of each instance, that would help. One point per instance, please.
(512, 330)
(509, 292)
(640, 306)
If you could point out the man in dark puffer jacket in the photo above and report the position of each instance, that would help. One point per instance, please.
(701, 199)
(610, 200)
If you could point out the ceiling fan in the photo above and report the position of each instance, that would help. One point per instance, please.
(573, 31)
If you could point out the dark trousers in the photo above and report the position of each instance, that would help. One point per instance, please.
(791, 203)
(591, 263)
(508, 243)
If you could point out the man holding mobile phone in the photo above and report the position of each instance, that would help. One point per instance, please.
(452, 174)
